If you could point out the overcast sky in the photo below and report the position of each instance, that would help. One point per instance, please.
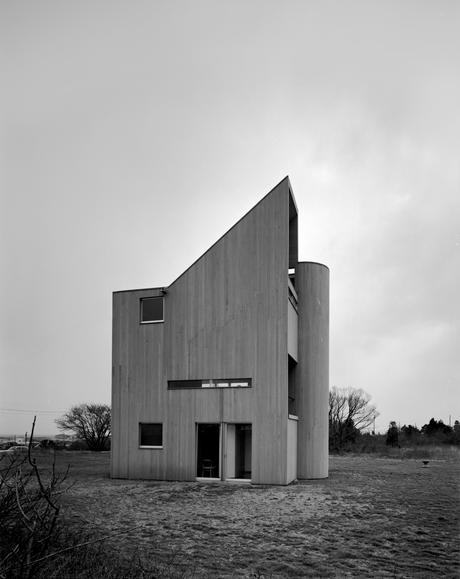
(135, 133)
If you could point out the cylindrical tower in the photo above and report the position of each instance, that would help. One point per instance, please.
(312, 372)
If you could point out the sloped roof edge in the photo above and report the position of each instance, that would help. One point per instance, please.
(235, 224)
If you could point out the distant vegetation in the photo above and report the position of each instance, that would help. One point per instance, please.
(351, 427)
(435, 432)
(350, 414)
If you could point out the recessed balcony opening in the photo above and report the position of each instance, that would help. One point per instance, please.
(293, 240)
(292, 386)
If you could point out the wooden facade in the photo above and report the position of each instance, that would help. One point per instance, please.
(233, 315)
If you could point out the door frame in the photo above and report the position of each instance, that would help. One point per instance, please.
(223, 437)
(224, 453)
(219, 474)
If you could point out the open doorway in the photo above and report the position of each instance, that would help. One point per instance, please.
(238, 463)
(208, 451)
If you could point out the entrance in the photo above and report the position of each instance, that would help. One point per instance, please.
(208, 451)
(238, 451)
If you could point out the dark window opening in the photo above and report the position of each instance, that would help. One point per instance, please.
(292, 386)
(150, 434)
(292, 294)
(151, 310)
(183, 384)
(208, 451)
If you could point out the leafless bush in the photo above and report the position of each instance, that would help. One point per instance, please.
(29, 511)
(35, 541)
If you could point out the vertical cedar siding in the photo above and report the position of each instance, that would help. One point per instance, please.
(225, 316)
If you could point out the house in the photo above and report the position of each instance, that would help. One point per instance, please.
(223, 374)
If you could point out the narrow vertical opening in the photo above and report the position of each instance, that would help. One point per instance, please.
(292, 386)
(293, 240)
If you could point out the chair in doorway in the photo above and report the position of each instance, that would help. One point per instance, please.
(207, 468)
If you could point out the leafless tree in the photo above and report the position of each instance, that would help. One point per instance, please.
(90, 422)
(350, 412)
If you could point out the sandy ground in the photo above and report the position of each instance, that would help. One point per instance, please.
(373, 517)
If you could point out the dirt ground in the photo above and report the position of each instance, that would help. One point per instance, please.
(373, 517)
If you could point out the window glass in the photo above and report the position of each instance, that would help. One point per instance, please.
(152, 309)
(150, 434)
(184, 384)
(216, 383)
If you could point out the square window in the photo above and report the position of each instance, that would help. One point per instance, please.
(151, 310)
(150, 434)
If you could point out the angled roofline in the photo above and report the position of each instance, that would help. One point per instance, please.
(291, 193)
(235, 224)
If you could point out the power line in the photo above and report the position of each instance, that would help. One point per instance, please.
(23, 411)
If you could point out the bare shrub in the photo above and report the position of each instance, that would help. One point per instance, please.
(29, 511)
(36, 541)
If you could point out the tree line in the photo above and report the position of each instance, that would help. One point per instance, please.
(351, 421)
(434, 432)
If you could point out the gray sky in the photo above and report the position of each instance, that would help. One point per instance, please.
(134, 134)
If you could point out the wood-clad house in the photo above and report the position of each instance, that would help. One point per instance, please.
(224, 373)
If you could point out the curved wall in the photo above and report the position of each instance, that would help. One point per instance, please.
(312, 372)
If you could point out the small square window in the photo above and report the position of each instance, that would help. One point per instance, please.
(151, 310)
(150, 434)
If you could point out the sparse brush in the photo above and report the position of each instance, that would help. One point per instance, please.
(36, 542)
(28, 512)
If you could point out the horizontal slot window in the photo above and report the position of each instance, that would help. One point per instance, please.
(224, 383)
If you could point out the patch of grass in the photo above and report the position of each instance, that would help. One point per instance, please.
(445, 452)
(375, 445)
(86, 556)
